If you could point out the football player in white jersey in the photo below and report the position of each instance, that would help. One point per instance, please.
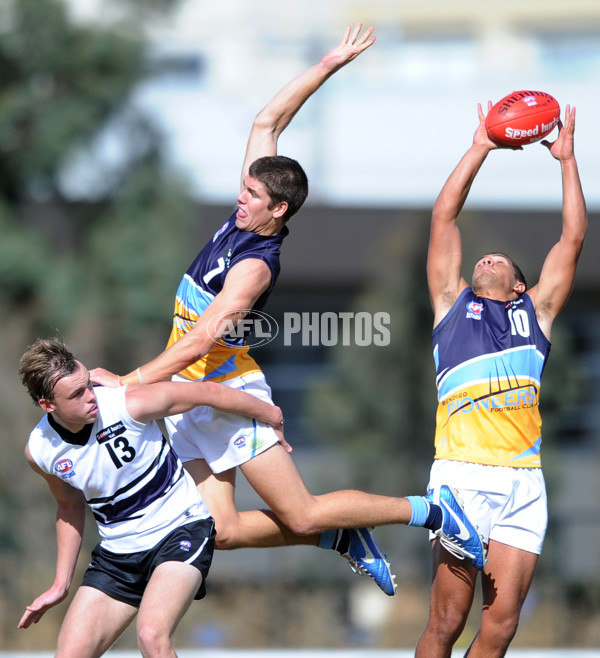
(101, 448)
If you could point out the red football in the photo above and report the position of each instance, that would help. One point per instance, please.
(522, 117)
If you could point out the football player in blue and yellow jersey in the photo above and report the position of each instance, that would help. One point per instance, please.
(490, 344)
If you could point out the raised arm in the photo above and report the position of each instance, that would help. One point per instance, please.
(444, 259)
(70, 522)
(272, 120)
(146, 403)
(551, 292)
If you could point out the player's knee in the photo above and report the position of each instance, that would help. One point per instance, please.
(300, 523)
(151, 640)
(448, 626)
(303, 527)
(499, 632)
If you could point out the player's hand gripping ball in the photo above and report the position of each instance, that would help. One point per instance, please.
(522, 117)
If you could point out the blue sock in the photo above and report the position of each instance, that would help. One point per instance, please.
(425, 514)
(420, 510)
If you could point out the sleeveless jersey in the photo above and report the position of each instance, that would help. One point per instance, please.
(130, 476)
(489, 358)
(204, 279)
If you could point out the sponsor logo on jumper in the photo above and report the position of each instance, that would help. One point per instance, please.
(507, 396)
(110, 432)
(474, 310)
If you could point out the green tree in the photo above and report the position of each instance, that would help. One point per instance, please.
(60, 85)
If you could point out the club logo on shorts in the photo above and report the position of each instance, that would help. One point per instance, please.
(185, 545)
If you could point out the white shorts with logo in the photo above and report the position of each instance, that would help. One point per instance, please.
(223, 440)
(508, 504)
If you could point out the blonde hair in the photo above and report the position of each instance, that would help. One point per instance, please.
(43, 364)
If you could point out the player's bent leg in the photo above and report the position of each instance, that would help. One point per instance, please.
(452, 592)
(307, 515)
(505, 582)
(248, 529)
(275, 478)
(92, 624)
(262, 528)
(168, 595)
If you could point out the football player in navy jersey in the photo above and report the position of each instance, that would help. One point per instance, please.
(233, 274)
(490, 344)
(100, 448)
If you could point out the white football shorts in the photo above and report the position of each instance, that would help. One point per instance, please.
(223, 440)
(508, 504)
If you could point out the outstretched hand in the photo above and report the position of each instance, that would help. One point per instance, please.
(350, 47)
(562, 148)
(36, 610)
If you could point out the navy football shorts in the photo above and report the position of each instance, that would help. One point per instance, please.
(124, 576)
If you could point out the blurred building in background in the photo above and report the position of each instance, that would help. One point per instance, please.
(406, 109)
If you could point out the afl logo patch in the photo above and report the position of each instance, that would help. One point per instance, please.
(63, 466)
(185, 545)
(474, 310)
(240, 443)
(220, 231)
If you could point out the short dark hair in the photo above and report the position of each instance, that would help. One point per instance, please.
(43, 364)
(519, 276)
(284, 180)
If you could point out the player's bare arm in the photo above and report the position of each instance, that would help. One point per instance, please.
(558, 272)
(70, 522)
(272, 120)
(244, 284)
(146, 403)
(444, 258)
